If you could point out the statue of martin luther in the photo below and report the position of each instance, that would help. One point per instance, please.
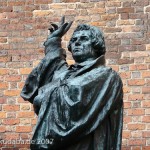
(79, 107)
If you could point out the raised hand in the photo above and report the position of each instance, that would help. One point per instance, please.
(61, 29)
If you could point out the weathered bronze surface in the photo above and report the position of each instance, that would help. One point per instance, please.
(79, 107)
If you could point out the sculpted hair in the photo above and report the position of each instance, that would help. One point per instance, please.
(96, 36)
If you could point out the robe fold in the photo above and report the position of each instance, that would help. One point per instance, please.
(79, 107)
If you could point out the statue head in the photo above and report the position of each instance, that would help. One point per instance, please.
(86, 43)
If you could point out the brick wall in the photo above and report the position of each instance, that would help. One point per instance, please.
(23, 29)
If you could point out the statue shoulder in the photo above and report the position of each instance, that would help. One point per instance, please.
(109, 72)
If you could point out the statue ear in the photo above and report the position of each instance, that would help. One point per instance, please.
(96, 44)
(99, 47)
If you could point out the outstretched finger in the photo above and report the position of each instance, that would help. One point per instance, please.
(62, 20)
(62, 29)
(68, 27)
(55, 26)
(51, 30)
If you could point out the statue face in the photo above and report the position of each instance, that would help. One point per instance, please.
(81, 46)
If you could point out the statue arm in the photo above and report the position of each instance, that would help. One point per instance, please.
(43, 73)
(54, 58)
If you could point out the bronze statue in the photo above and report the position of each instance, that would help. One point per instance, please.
(79, 107)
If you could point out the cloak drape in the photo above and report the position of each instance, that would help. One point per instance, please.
(79, 107)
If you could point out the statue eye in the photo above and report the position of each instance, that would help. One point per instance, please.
(73, 39)
(84, 38)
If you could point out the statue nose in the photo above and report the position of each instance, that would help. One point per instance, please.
(77, 42)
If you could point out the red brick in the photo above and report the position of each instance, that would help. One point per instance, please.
(139, 54)
(11, 107)
(125, 75)
(110, 17)
(42, 2)
(138, 67)
(140, 3)
(146, 90)
(6, 9)
(31, 7)
(127, 104)
(3, 85)
(5, 59)
(146, 74)
(23, 129)
(24, 136)
(25, 114)
(134, 97)
(136, 112)
(146, 134)
(127, 119)
(125, 10)
(112, 30)
(25, 70)
(125, 148)
(12, 136)
(124, 35)
(2, 129)
(2, 15)
(96, 11)
(126, 4)
(2, 114)
(82, 5)
(13, 78)
(138, 41)
(146, 119)
(20, 85)
(13, 15)
(11, 121)
(4, 22)
(146, 147)
(3, 100)
(146, 104)
(12, 92)
(16, 40)
(4, 34)
(113, 4)
(83, 18)
(70, 12)
(136, 148)
(126, 89)
(126, 48)
(134, 82)
(124, 16)
(16, 3)
(126, 134)
(137, 142)
(125, 22)
(42, 13)
(135, 126)
(3, 3)
(3, 71)
(138, 16)
(21, 100)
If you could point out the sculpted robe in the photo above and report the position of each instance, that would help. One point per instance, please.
(79, 107)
